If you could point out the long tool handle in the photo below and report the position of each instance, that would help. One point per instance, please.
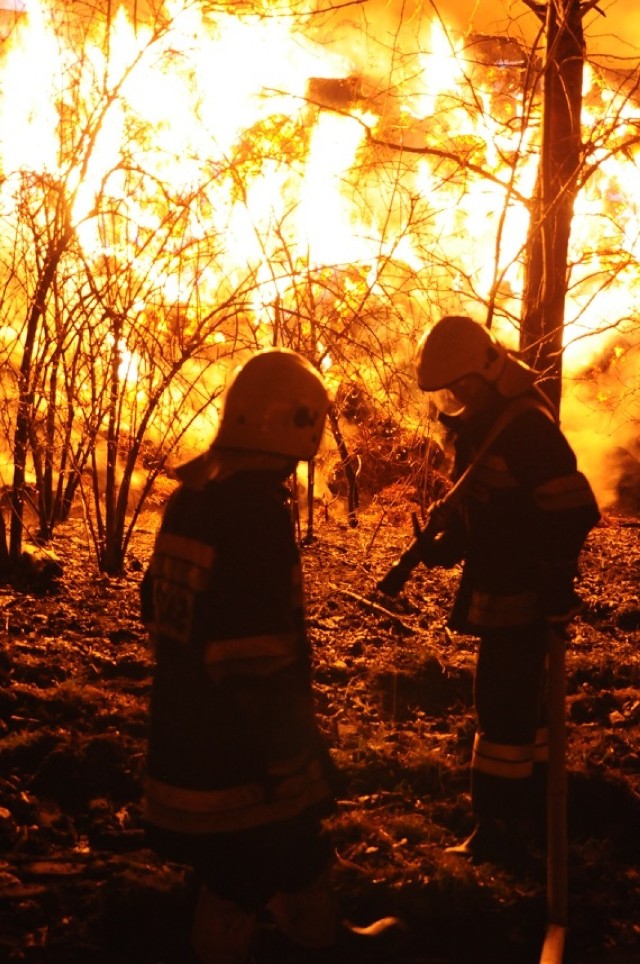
(393, 581)
(557, 877)
(400, 571)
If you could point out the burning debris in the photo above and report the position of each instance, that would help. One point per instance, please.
(624, 467)
(337, 93)
(381, 453)
(496, 51)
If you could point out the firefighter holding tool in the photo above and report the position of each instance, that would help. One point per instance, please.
(239, 777)
(518, 517)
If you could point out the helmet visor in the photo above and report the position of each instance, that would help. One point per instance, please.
(468, 394)
(447, 402)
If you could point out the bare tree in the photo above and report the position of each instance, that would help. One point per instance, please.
(541, 335)
(43, 208)
(89, 284)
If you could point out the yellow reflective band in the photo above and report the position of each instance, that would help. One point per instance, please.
(502, 768)
(186, 562)
(493, 610)
(183, 547)
(566, 492)
(510, 762)
(503, 751)
(257, 655)
(235, 808)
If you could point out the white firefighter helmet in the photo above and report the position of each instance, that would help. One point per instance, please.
(457, 346)
(276, 404)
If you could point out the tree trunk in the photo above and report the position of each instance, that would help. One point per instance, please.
(541, 337)
(348, 467)
(4, 547)
(24, 417)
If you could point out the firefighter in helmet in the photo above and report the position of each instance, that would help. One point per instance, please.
(518, 531)
(239, 777)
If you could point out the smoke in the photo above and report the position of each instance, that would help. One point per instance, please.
(601, 418)
(612, 27)
(612, 30)
(479, 15)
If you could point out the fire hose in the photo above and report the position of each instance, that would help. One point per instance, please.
(553, 946)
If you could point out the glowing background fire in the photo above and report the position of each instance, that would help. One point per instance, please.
(178, 191)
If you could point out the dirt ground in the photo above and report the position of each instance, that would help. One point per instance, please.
(394, 695)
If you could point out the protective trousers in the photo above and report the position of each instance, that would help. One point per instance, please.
(511, 743)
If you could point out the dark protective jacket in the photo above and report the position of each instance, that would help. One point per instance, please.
(233, 739)
(521, 524)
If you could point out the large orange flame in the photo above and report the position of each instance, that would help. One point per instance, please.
(300, 193)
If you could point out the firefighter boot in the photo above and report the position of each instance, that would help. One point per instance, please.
(308, 917)
(310, 921)
(221, 932)
(494, 841)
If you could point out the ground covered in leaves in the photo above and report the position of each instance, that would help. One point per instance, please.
(394, 695)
